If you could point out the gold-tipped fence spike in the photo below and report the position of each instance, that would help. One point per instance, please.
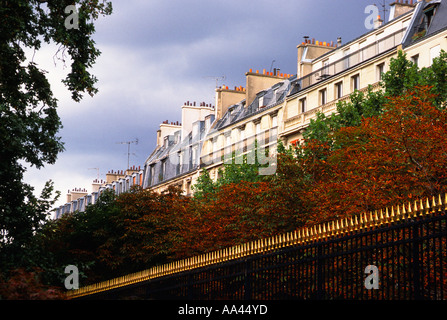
(330, 227)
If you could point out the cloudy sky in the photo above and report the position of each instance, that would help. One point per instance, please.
(158, 54)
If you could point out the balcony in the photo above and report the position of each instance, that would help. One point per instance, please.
(303, 119)
(370, 51)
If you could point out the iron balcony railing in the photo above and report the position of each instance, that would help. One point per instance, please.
(378, 47)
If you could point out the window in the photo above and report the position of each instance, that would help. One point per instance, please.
(325, 71)
(323, 97)
(380, 71)
(242, 134)
(346, 58)
(228, 140)
(258, 128)
(434, 53)
(151, 174)
(195, 129)
(194, 156)
(303, 106)
(179, 164)
(339, 90)
(429, 12)
(215, 147)
(415, 59)
(355, 82)
(162, 171)
(274, 121)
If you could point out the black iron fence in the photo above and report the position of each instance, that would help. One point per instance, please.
(408, 257)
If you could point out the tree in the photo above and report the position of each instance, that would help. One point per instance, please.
(240, 168)
(29, 122)
(402, 77)
(77, 238)
(149, 224)
(390, 159)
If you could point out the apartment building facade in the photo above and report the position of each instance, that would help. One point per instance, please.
(416, 28)
(119, 181)
(274, 106)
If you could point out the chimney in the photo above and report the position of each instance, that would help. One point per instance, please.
(378, 22)
(256, 82)
(400, 7)
(339, 42)
(226, 98)
(310, 50)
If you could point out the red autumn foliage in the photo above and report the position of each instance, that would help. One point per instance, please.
(232, 216)
(24, 285)
(398, 156)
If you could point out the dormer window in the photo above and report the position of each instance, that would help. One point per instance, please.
(195, 129)
(429, 13)
(261, 101)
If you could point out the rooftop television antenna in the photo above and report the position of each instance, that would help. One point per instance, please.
(97, 171)
(217, 78)
(128, 149)
(383, 5)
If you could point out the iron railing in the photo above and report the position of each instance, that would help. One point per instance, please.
(407, 244)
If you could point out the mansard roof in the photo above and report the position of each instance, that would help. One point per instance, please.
(264, 100)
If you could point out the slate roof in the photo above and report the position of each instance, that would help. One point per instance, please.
(270, 97)
(438, 23)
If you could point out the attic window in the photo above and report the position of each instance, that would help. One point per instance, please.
(195, 129)
(429, 13)
(261, 101)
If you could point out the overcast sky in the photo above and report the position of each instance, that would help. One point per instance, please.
(157, 54)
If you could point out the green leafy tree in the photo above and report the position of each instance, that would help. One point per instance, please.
(240, 168)
(29, 122)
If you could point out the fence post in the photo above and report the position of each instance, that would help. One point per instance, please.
(320, 279)
(248, 268)
(416, 263)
